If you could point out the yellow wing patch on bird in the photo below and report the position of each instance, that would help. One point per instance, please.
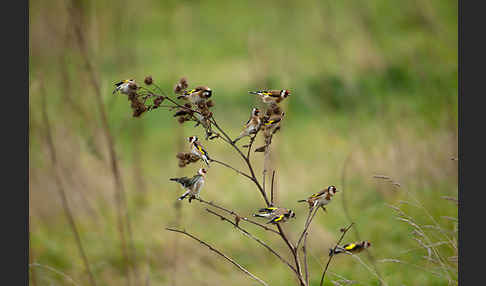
(190, 91)
(350, 247)
(270, 122)
(279, 218)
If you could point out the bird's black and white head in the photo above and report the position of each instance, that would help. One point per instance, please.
(366, 244)
(192, 139)
(290, 214)
(202, 172)
(332, 190)
(255, 112)
(284, 93)
(206, 92)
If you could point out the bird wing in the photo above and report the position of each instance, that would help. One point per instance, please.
(189, 91)
(201, 149)
(319, 193)
(350, 246)
(267, 210)
(183, 181)
(276, 218)
(273, 121)
(193, 180)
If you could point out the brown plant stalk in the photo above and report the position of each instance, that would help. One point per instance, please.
(60, 188)
(120, 197)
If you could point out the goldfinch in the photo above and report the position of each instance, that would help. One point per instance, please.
(127, 86)
(355, 247)
(276, 215)
(322, 198)
(198, 149)
(252, 125)
(272, 96)
(197, 94)
(269, 124)
(192, 185)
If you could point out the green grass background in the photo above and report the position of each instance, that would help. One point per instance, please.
(374, 92)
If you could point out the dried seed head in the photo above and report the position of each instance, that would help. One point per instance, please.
(181, 85)
(148, 80)
(180, 155)
(183, 82)
(158, 101)
(210, 103)
(181, 119)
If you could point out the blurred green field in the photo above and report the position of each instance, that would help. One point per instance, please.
(374, 93)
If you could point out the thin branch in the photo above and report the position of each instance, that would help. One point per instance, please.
(236, 215)
(119, 187)
(252, 139)
(294, 253)
(272, 189)
(307, 224)
(245, 158)
(304, 250)
(245, 232)
(221, 254)
(330, 257)
(264, 176)
(62, 193)
(234, 169)
(55, 271)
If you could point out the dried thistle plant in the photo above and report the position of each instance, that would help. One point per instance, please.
(194, 105)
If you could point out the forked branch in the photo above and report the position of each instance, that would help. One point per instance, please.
(334, 249)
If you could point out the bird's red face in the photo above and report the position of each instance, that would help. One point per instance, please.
(256, 111)
(332, 190)
(202, 172)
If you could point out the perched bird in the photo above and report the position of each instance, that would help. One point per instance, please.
(252, 125)
(322, 198)
(192, 185)
(127, 86)
(272, 96)
(197, 94)
(276, 215)
(198, 149)
(355, 247)
(271, 123)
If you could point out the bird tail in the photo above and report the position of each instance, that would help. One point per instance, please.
(302, 201)
(206, 160)
(260, 215)
(243, 134)
(183, 196)
(175, 179)
(335, 251)
(252, 92)
(236, 140)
